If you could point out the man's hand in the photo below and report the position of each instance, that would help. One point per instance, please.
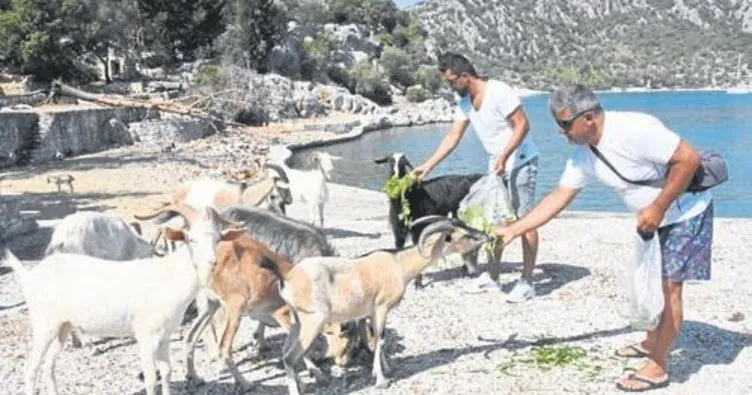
(499, 165)
(421, 171)
(650, 218)
(506, 235)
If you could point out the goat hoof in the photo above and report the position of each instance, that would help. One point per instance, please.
(383, 384)
(319, 375)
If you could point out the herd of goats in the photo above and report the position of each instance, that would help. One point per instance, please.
(230, 250)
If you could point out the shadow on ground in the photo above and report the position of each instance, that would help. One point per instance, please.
(551, 277)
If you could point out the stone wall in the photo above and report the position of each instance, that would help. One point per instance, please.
(36, 136)
(83, 131)
(30, 99)
(168, 130)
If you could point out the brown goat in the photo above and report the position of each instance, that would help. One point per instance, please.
(244, 287)
(324, 290)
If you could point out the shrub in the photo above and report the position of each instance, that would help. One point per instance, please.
(417, 94)
(209, 75)
(430, 78)
(370, 83)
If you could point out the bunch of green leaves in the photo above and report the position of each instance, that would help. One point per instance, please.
(547, 357)
(475, 216)
(395, 187)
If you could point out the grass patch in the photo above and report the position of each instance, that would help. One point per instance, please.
(548, 357)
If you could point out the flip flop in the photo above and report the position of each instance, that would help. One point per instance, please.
(638, 353)
(652, 385)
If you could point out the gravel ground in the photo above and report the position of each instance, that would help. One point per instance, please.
(439, 339)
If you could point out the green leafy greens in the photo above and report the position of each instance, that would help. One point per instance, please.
(548, 357)
(475, 216)
(395, 187)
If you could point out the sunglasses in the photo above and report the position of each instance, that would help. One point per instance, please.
(567, 123)
(453, 81)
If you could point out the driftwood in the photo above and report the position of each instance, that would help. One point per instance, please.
(59, 88)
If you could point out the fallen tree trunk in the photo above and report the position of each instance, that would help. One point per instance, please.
(59, 88)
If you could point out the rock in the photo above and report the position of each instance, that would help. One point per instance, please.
(284, 57)
(737, 317)
(350, 39)
(120, 134)
(12, 222)
(309, 105)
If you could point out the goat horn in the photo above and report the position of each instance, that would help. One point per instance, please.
(147, 217)
(255, 194)
(439, 227)
(461, 224)
(279, 170)
(428, 219)
(187, 212)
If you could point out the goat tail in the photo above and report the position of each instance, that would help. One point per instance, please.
(272, 266)
(15, 264)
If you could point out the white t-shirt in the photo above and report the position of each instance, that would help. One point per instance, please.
(639, 146)
(491, 125)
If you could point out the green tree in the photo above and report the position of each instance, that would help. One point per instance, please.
(398, 66)
(45, 38)
(254, 27)
(179, 28)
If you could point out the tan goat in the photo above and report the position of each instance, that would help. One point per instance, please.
(244, 287)
(338, 290)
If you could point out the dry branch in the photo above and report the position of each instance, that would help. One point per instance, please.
(59, 88)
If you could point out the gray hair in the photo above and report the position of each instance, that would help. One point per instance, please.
(577, 98)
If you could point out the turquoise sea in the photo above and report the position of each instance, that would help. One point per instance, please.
(706, 119)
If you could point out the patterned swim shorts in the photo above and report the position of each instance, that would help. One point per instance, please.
(686, 248)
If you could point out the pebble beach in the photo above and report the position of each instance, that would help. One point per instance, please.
(440, 340)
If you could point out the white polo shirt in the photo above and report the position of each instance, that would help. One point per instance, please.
(491, 125)
(639, 146)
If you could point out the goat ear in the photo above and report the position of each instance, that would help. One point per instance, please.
(438, 249)
(232, 234)
(381, 161)
(174, 234)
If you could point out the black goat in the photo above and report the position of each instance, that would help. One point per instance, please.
(437, 196)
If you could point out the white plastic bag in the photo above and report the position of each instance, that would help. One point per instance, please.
(487, 204)
(645, 284)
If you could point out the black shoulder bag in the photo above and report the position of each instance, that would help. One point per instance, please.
(712, 172)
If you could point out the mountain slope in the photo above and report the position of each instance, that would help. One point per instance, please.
(656, 43)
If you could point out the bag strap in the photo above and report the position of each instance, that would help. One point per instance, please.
(610, 166)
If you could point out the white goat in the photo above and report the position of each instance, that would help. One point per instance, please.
(143, 298)
(100, 235)
(272, 193)
(309, 186)
(324, 290)
(105, 236)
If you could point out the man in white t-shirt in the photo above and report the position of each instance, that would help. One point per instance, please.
(496, 114)
(639, 147)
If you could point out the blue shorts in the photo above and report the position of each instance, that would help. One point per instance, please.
(686, 248)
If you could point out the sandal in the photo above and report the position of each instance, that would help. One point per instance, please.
(650, 382)
(638, 352)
